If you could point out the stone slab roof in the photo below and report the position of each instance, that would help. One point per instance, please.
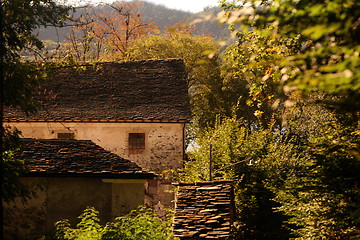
(204, 210)
(83, 158)
(138, 90)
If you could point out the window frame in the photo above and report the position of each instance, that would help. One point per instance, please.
(66, 135)
(136, 142)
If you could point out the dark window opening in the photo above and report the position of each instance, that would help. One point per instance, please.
(66, 135)
(136, 142)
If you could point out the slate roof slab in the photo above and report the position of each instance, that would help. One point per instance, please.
(152, 90)
(204, 210)
(78, 158)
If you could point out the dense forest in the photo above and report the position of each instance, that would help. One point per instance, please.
(278, 107)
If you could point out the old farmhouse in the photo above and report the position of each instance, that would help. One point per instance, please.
(134, 110)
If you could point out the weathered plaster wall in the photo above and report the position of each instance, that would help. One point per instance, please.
(160, 196)
(164, 142)
(61, 198)
(127, 194)
(68, 197)
(26, 220)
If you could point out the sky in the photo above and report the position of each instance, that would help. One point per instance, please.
(185, 5)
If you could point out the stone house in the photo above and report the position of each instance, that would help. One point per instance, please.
(136, 110)
(67, 177)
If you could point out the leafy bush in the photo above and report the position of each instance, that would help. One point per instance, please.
(139, 224)
(301, 183)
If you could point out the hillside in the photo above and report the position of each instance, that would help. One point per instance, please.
(161, 15)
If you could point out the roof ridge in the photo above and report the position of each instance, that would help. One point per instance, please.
(201, 183)
(56, 140)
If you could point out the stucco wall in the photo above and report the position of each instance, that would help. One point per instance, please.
(60, 198)
(26, 220)
(164, 142)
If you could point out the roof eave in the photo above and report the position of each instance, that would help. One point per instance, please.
(101, 120)
(94, 175)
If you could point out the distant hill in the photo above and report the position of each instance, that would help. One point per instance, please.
(210, 25)
(161, 15)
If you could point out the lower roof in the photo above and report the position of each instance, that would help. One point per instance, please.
(76, 158)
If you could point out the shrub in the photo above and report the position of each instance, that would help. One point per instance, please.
(139, 224)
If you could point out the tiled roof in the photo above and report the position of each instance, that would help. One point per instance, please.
(204, 210)
(137, 90)
(55, 157)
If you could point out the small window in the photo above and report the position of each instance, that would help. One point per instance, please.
(66, 135)
(136, 142)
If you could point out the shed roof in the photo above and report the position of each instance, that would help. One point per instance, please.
(83, 158)
(204, 210)
(151, 90)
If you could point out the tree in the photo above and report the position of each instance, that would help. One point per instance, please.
(19, 20)
(242, 81)
(258, 162)
(203, 71)
(251, 79)
(303, 180)
(329, 32)
(298, 182)
(104, 33)
(321, 197)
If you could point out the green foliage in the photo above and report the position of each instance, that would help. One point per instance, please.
(258, 161)
(298, 182)
(303, 178)
(177, 43)
(223, 140)
(12, 187)
(87, 228)
(327, 199)
(19, 20)
(142, 224)
(329, 32)
(316, 193)
(243, 80)
(20, 81)
(139, 224)
(11, 168)
(251, 79)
